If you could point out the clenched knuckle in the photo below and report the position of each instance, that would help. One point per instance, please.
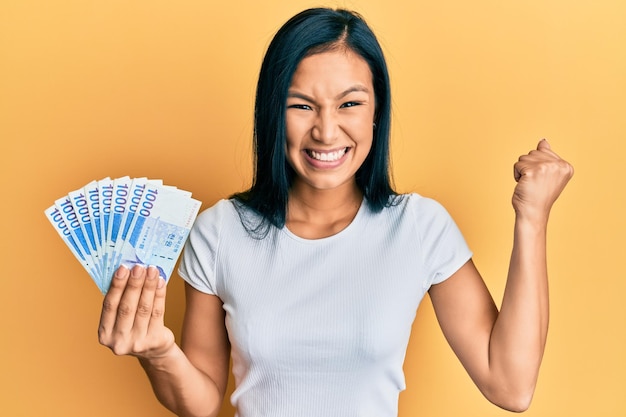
(529, 173)
(115, 346)
(139, 346)
(119, 349)
(103, 338)
(565, 166)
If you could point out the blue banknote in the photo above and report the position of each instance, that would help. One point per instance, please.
(136, 191)
(105, 192)
(162, 221)
(53, 214)
(75, 228)
(93, 200)
(126, 221)
(119, 200)
(81, 216)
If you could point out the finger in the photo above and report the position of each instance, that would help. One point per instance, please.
(524, 163)
(527, 164)
(127, 306)
(539, 156)
(111, 302)
(545, 148)
(543, 145)
(158, 307)
(146, 302)
(518, 170)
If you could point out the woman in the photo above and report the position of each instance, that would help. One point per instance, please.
(315, 273)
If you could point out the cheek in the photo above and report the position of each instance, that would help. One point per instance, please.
(292, 146)
(362, 131)
(364, 138)
(362, 122)
(293, 131)
(289, 135)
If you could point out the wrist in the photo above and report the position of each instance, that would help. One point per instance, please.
(532, 218)
(531, 225)
(161, 359)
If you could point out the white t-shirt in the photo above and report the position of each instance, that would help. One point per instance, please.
(319, 328)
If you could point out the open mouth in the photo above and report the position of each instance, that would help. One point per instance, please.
(327, 156)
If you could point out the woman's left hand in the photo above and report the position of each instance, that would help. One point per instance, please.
(541, 175)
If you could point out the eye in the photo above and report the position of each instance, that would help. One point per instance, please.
(299, 106)
(349, 104)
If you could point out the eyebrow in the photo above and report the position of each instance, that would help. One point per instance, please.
(354, 88)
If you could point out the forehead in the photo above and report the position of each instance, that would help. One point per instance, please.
(335, 68)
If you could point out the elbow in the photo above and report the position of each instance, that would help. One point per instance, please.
(516, 405)
(514, 400)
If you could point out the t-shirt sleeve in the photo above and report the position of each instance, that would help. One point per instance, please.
(198, 261)
(444, 248)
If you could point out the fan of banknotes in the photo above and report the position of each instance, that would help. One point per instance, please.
(124, 221)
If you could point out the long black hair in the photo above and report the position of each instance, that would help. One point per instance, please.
(309, 32)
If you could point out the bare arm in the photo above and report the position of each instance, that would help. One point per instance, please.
(190, 382)
(502, 351)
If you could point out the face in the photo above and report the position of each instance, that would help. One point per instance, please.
(330, 117)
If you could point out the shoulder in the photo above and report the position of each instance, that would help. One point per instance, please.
(443, 247)
(212, 220)
(417, 205)
(212, 227)
(427, 217)
(411, 213)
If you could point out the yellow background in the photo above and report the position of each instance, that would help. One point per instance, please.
(165, 89)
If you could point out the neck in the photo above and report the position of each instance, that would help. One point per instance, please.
(314, 214)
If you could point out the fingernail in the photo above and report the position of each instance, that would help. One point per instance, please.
(161, 283)
(122, 272)
(137, 271)
(152, 272)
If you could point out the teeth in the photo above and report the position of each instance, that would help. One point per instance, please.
(327, 157)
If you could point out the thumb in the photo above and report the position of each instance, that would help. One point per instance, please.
(543, 145)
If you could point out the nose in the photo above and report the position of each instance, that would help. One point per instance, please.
(326, 128)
